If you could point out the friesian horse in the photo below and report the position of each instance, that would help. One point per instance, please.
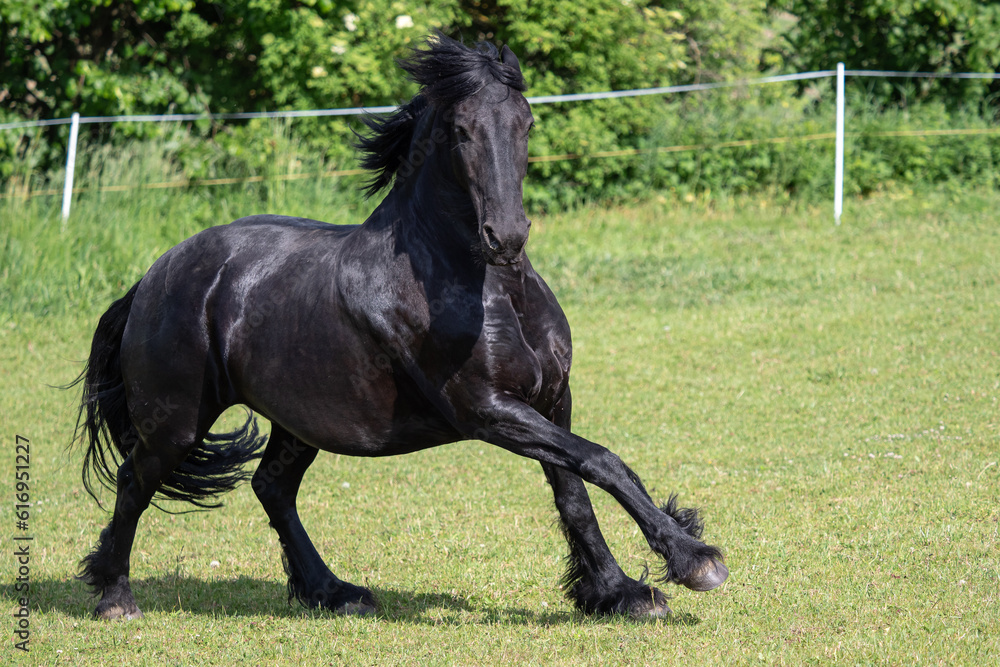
(424, 325)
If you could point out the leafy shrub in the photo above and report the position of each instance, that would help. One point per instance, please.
(197, 56)
(941, 36)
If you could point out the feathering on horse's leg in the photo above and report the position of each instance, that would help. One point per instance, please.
(593, 581)
(673, 533)
(107, 567)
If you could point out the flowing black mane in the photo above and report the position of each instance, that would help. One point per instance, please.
(448, 72)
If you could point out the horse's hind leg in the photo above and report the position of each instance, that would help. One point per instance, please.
(106, 568)
(276, 483)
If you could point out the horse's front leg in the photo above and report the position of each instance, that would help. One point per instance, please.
(671, 532)
(594, 580)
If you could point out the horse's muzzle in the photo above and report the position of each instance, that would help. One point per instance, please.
(502, 250)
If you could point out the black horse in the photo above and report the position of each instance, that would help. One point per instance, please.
(423, 326)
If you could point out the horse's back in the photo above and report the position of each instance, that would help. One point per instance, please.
(290, 222)
(248, 247)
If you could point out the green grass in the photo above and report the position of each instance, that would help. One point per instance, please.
(828, 395)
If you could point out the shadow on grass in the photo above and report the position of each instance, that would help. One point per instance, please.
(245, 596)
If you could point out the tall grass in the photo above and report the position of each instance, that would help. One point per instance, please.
(114, 235)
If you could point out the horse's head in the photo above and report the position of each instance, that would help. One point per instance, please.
(489, 139)
(470, 116)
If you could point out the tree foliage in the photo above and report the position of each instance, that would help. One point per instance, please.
(112, 57)
(942, 36)
(101, 57)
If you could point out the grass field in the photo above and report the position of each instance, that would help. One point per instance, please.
(828, 395)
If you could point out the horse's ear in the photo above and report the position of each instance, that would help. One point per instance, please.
(507, 57)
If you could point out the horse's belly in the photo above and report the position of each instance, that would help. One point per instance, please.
(336, 390)
(335, 417)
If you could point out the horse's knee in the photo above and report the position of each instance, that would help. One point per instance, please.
(607, 470)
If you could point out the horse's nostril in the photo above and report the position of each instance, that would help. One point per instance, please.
(492, 239)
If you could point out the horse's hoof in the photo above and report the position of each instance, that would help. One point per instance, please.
(652, 605)
(658, 610)
(359, 608)
(117, 603)
(118, 612)
(708, 576)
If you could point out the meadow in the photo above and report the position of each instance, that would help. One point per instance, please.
(827, 395)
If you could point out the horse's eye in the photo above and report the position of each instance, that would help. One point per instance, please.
(462, 134)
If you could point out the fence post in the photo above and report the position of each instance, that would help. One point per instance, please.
(74, 132)
(838, 177)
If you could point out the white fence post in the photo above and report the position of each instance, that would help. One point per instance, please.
(74, 132)
(838, 177)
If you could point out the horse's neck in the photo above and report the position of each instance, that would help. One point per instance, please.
(433, 210)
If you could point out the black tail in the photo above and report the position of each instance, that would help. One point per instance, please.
(103, 422)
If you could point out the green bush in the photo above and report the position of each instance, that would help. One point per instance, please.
(198, 57)
(942, 36)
